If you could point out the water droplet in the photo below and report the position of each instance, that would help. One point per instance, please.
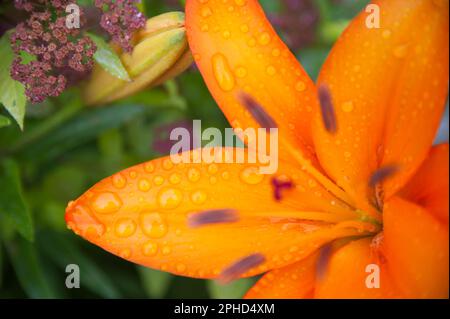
(125, 253)
(205, 28)
(166, 250)
(150, 248)
(153, 224)
(300, 86)
(271, 70)
(226, 175)
(175, 178)
(251, 42)
(264, 38)
(144, 185)
(251, 175)
(240, 3)
(213, 169)
(194, 175)
(241, 72)
(106, 203)
(81, 220)
(158, 180)
(276, 52)
(149, 167)
(119, 181)
(181, 268)
(125, 227)
(169, 198)
(244, 28)
(206, 12)
(199, 197)
(133, 174)
(222, 72)
(226, 34)
(347, 106)
(167, 164)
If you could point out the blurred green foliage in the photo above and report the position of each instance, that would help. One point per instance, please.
(65, 148)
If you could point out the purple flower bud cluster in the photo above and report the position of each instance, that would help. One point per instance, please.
(55, 47)
(121, 19)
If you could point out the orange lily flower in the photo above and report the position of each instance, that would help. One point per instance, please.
(358, 183)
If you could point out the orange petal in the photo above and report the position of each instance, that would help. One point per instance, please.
(429, 186)
(141, 214)
(346, 274)
(295, 281)
(416, 247)
(388, 87)
(236, 49)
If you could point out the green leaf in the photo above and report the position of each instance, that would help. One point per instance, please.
(156, 283)
(79, 130)
(108, 59)
(12, 202)
(12, 93)
(234, 290)
(4, 121)
(1, 263)
(28, 268)
(64, 252)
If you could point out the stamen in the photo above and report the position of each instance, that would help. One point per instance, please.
(303, 215)
(240, 267)
(327, 109)
(257, 111)
(376, 247)
(322, 261)
(218, 216)
(383, 174)
(266, 121)
(280, 185)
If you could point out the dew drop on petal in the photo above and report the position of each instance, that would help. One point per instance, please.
(347, 106)
(124, 227)
(240, 3)
(251, 175)
(149, 167)
(222, 72)
(194, 175)
(300, 86)
(167, 164)
(150, 248)
(213, 169)
(244, 28)
(153, 224)
(166, 250)
(199, 197)
(132, 174)
(158, 180)
(175, 178)
(106, 203)
(241, 72)
(119, 180)
(144, 185)
(206, 12)
(125, 253)
(264, 38)
(181, 268)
